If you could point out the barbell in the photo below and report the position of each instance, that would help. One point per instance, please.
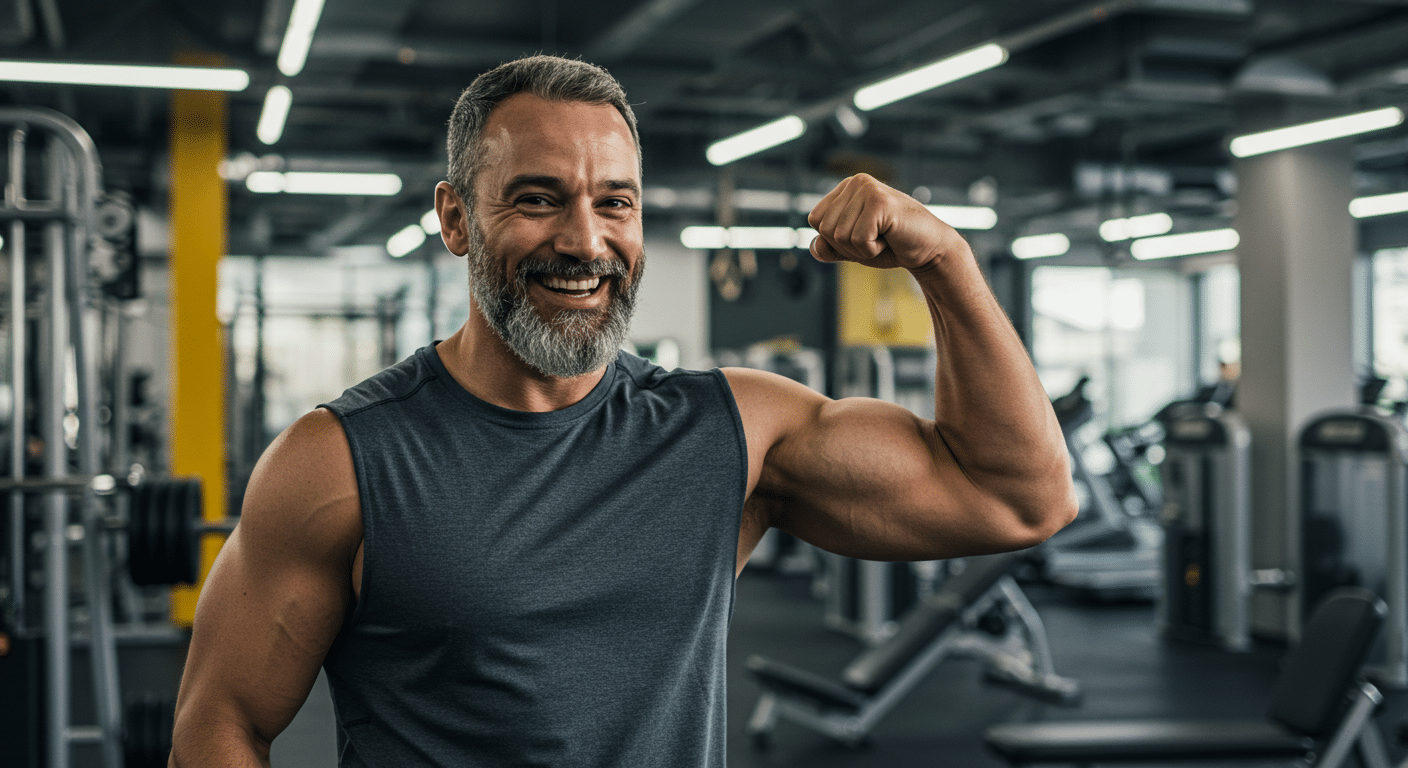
(163, 525)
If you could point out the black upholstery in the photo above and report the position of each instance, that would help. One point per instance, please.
(1144, 740)
(1306, 706)
(873, 669)
(1309, 696)
(782, 678)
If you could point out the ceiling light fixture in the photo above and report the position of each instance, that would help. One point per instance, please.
(298, 38)
(965, 216)
(271, 120)
(308, 183)
(755, 140)
(405, 241)
(1378, 205)
(1186, 244)
(1314, 132)
(176, 78)
(941, 72)
(430, 222)
(1148, 225)
(705, 238)
(1041, 246)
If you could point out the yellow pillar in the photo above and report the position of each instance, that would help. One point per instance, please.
(198, 220)
(880, 307)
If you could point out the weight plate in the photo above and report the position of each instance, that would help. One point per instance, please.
(137, 555)
(170, 534)
(155, 513)
(194, 517)
(185, 504)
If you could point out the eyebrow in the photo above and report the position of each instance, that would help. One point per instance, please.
(554, 183)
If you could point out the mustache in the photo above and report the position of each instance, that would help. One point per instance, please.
(570, 268)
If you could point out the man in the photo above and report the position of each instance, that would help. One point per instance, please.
(518, 547)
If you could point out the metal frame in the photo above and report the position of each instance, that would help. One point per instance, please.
(1022, 656)
(72, 185)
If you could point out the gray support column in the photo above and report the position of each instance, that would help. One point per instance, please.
(1296, 259)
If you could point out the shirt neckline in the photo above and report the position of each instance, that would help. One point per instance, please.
(510, 417)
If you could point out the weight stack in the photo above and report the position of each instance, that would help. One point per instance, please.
(1206, 473)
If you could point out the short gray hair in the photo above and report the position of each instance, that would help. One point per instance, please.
(547, 77)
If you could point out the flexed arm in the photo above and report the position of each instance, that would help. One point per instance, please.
(870, 479)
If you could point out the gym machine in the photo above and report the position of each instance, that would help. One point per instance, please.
(1107, 552)
(1354, 520)
(978, 612)
(1207, 576)
(865, 598)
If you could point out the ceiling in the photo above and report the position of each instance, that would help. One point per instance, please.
(1121, 103)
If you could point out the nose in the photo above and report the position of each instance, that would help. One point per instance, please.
(583, 234)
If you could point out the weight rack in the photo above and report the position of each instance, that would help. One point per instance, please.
(64, 214)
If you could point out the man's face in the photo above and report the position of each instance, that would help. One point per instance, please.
(555, 242)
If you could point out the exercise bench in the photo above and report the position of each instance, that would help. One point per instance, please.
(944, 624)
(1321, 709)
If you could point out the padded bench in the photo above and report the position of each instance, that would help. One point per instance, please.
(942, 625)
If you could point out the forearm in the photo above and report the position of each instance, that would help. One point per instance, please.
(990, 409)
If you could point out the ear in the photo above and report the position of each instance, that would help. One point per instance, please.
(454, 226)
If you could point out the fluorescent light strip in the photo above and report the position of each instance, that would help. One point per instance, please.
(1148, 225)
(930, 76)
(430, 222)
(176, 78)
(1040, 246)
(755, 238)
(1186, 244)
(405, 241)
(965, 216)
(307, 183)
(298, 38)
(755, 140)
(1311, 133)
(271, 120)
(1378, 205)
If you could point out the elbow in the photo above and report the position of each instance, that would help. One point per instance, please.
(1037, 519)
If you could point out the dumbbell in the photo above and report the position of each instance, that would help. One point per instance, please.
(163, 525)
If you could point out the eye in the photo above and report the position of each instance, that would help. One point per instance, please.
(617, 202)
(534, 201)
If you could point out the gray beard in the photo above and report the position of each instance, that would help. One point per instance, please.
(574, 342)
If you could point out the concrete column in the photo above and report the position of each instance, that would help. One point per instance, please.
(1296, 259)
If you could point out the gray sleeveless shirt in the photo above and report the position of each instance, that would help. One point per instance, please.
(540, 589)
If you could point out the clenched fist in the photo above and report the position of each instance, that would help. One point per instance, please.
(871, 223)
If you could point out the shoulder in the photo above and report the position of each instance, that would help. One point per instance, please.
(772, 406)
(392, 384)
(304, 490)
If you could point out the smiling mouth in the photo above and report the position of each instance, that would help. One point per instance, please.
(580, 287)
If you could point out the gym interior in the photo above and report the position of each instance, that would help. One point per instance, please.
(218, 215)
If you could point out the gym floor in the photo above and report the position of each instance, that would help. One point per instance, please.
(1126, 671)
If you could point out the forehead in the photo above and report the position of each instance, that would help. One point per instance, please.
(529, 134)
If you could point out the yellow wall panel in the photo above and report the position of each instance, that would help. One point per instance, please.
(880, 307)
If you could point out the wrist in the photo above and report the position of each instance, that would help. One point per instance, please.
(948, 263)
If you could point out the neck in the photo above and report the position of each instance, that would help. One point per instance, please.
(480, 362)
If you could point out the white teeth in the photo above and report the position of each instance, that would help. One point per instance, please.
(560, 284)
